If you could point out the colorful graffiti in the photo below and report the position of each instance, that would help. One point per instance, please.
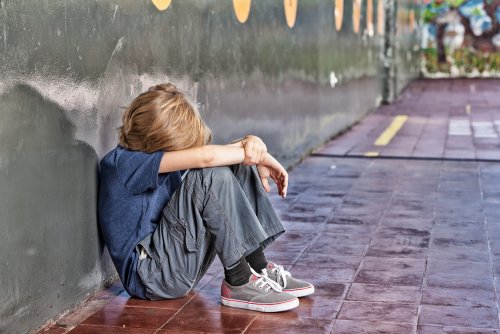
(461, 37)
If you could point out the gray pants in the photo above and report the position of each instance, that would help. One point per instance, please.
(223, 211)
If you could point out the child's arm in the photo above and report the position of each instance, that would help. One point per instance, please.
(201, 157)
(224, 155)
(273, 169)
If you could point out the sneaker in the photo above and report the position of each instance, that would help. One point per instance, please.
(259, 294)
(290, 285)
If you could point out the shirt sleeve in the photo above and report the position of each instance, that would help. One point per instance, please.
(138, 171)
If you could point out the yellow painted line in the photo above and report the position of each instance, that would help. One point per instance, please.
(372, 154)
(389, 133)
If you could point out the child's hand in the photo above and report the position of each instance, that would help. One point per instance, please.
(272, 168)
(255, 150)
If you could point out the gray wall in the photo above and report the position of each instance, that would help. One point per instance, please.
(69, 67)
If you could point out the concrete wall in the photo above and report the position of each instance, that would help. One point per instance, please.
(69, 67)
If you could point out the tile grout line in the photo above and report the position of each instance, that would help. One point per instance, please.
(485, 222)
(305, 249)
(84, 305)
(395, 157)
(419, 138)
(349, 284)
(175, 314)
(378, 227)
(250, 324)
(382, 322)
(419, 306)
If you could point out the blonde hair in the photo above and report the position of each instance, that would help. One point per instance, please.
(162, 118)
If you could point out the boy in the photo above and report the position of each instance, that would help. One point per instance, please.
(168, 204)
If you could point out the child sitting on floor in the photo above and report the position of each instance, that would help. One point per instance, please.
(169, 202)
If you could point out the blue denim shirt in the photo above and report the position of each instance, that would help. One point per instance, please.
(132, 196)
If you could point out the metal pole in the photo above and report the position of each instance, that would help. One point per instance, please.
(388, 52)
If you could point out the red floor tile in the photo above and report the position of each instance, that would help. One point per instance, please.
(378, 312)
(483, 317)
(88, 329)
(210, 322)
(351, 327)
(384, 293)
(209, 301)
(124, 299)
(264, 324)
(311, 307)
(453, 330)
(130, 317)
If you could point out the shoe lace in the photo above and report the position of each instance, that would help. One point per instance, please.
(264, 282)
(281, 274)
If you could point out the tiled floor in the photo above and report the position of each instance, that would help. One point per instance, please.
(454, 119)
(392, 245)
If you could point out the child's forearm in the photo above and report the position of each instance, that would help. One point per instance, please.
(201, 157)
(223, 155)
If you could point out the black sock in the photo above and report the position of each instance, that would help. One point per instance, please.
(257, 260)
(238, 273)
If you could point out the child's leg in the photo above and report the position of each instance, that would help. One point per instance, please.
(249, 180)
(210, 213)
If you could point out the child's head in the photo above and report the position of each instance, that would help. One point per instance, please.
(162, 118)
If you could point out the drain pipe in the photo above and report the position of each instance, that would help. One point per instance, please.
(388, 53)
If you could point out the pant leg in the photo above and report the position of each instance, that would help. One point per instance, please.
(249, 180)
(209, 214)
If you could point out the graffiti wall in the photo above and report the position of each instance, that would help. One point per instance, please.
(461, 38)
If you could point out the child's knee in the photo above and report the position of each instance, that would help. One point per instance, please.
(219, 174)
